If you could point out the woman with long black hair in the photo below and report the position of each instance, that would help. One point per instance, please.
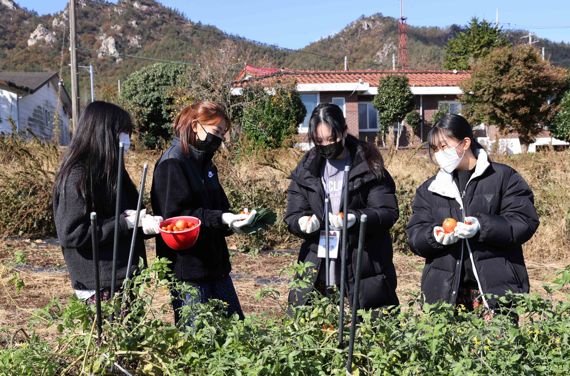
(494, 210)
(87, 181)
(371, 191)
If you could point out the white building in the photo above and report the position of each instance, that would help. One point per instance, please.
(29, 103)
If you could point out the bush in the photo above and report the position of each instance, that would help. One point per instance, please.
(414, 119)
(149, 94)
(561, 124)
(412, 340)
(264, 188)
(270, 119)
(26, 182)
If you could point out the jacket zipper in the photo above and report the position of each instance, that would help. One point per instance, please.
(466, 241)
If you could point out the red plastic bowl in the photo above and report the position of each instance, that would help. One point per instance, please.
(184, 239)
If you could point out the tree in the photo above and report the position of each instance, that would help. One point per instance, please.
(475, 42)
(270, 117)
(561, 125)
(149, 94)
(514, 89)
(393, 101)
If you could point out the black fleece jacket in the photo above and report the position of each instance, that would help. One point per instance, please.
(73, 225)
(188, 185)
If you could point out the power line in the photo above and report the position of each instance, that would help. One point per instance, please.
(508, 24)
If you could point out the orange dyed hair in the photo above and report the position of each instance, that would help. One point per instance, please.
(203, 112)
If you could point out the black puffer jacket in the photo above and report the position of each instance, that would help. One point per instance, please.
(504, 205)
(189, 185)
(367, 195)
(71, 213)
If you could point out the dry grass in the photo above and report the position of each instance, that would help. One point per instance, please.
(262, 179)
(548, 175)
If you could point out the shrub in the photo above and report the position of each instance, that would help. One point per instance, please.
(414, 119)
(412, 340)
(149, 94)
(270, 117)
(26, 182)
(561, 124)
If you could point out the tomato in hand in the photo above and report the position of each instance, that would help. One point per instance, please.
(449, 225)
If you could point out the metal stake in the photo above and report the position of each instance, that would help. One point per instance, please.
(117, 217)
(357, 272)
(137, 216)
(343, 258)
(95, 245)
(327, 248)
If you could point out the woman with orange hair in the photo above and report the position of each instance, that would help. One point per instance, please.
(185, 182)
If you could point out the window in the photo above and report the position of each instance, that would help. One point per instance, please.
(367, 117)
(310, 101)
(449, 107)
(339, 101)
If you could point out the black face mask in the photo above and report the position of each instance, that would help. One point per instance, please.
(209, 145)
(330, 151)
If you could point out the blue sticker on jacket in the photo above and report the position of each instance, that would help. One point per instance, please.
(210, 174)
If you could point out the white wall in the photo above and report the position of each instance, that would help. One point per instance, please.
(36, 113)
(7, 110)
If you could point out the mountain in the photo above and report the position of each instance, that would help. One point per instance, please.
(370, 42)
(123, 37)
(116, 38)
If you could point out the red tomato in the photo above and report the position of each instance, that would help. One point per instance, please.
(449, 225)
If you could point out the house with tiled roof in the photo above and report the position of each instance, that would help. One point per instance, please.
(354, 90)
(32, 103)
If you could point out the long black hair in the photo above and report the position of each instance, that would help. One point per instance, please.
(455, 126)
(332, 115)
(94, 149)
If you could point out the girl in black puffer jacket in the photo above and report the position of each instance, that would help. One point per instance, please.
(495, 211)
(371, 191)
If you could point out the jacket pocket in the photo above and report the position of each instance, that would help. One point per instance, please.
(509, 266)
(376, 291)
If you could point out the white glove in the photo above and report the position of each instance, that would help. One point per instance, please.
(468, 228)
(336, 221)
(130, 216)
(443, 238)
(237, 225)
(150, 224)
(309, 224)
(229, 218)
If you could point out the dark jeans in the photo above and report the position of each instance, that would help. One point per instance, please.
(221, 289)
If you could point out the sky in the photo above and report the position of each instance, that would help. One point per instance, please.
(296, 23)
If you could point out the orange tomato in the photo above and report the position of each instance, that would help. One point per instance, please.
(181, 224)
(449, 225)
(169, 227)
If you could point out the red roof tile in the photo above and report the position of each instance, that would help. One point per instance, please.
(372, 77)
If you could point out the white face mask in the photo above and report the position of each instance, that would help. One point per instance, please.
(126, 140)
(447, 158)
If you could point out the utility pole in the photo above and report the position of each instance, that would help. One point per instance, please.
(403, 46)
(346, 63)
(91, 81)
(529, 36)
(74, 89)
(497, 19)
